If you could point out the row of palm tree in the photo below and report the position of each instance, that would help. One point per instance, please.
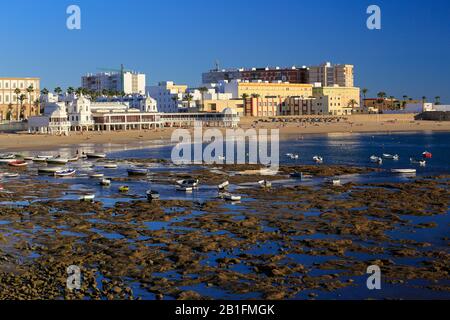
(91, 93)
(382, 95)
(20, 99)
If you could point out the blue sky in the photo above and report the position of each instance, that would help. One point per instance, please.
(178, 39)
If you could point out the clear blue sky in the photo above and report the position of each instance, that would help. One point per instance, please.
(178, 39)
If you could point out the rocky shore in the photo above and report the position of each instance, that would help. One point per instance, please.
(285, 242)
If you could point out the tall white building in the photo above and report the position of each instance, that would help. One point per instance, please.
(125, 81)
(168, 95)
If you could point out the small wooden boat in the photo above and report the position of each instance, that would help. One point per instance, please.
(66, 173)
(105, 182)
(422, 163)
(152, 195)
(87, 197)
(292, 156)
(265, 184)
(230, 197)
(74, 159)
(404, 171)
(18, 163)
(124, 188)
(334, 182)
(110, 166)
(189, 182)
(427, 155)
(395, 157)
(44, 157)
(318, 159)
(96, 155)
(137, 172)
(48, 170)
(10, 175)
(96, 175)
(376, 159)
(41, 160)
(185, 188)
(57, 161)
(223, 185)
(7, 156)
(28, 158)
(6, 161)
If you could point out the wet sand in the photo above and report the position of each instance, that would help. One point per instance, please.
(288, 130)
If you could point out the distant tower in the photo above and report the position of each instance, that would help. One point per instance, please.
(217, 65)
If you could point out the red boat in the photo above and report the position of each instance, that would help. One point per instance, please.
(18, 163)
(427, 155)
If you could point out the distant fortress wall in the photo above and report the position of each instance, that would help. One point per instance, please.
(434, 116)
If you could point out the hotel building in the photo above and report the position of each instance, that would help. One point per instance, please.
(126, 81)
(168, 95)
(329, 75)
(11, 108)
(265, 89)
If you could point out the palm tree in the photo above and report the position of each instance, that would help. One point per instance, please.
(44, 91)
(9, 114)
(17, 93)
(405, 97)
(79, 91)
(188, 98)
(437, 100)
(352, 103)
(22, 97)
(36, 106)
(202, 91)
(70, 90)
(256, 95)
(58, 90)
(424, 99)
(30, 90)
(364, 92)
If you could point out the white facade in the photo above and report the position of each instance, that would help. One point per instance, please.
(168, 96)
(128, 82)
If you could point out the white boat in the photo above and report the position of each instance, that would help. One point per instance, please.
(152, 195)
(230, 197)
(37, 159)
(334, 182)
(265, 184)
(421, 163)
(137, 172)
(44, 157)
(105, 182)
(96, 175)
(7, 156)
(87, 197)
(65, 173)
(6, 161)
(188, 182)
(223, 185)
(48, 170)
(27, 158)
(376, 159)
(59, 161)
(318, 159)
(10, 175)
(74, 159)
(185, 188)
(404, 171)
(395, 157)
(96, 155)
(110, 166)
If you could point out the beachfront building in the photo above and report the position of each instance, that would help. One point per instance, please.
(143, 103)
(168, 95)
(19, 98)
(335, 100)
(121, 81)
(65, 113)
(329, 75)
(278, 106)
(285, 74)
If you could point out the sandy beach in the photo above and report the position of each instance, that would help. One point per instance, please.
(289, 129)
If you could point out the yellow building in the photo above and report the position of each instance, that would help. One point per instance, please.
(335, 100)
(19, 98)
(220, 105)
(268, 89)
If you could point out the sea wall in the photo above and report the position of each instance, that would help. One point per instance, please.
(13, 126)
(434, 116)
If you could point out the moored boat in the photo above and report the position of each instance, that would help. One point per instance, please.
(189, 182)
(105, 182)
(96, 175)
(10, 175)
(318, 159)
(230, 197)
(427, 155)
(124, 188)
(223, 185)
(110, 166)
(7, 156)
(65, 173)
(48, 170)
(6, 161)
(376, 159)
(152, 195)
(87, 197)
(404, 171)
(185, 188)
(40, 160)
(96, 155)
(137, 172)
(18, 163)
(388, 156)
(265, 184)
(74, 159)
(57, 161)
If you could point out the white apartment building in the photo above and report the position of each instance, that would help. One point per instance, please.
(128, 82)
(329, 75)
(168, 96)
(143, 103)
(10, 106)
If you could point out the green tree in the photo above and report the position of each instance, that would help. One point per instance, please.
(202, 92)
(58, 90)
(437, 100)
(30, 90)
